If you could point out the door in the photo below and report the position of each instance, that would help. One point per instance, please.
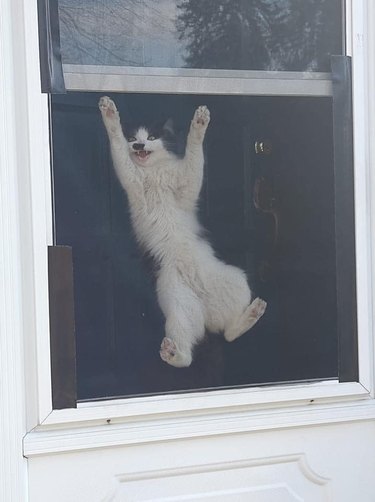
(267, 417)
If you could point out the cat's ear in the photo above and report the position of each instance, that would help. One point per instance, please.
(168, 126)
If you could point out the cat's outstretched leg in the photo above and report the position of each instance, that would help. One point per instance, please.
(197, 131)
(191, 172)
(110, 115)
(244, 322)
(184, 326)
(122, 163)
(182, 333)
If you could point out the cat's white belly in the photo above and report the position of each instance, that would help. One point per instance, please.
(167, 232)
(188, 265)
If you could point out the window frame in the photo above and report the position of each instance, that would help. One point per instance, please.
(162, 417)
(195, 81)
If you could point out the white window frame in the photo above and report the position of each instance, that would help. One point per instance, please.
(195, 81)
(164, 417)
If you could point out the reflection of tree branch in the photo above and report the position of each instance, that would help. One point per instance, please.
(68, 18)
(118, 14)
(100, 28)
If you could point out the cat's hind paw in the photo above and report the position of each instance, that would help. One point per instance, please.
(257, 308)
(168, 349)
(171, 355)
(246, 321)
(201, 117)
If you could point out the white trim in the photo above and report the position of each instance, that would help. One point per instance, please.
(150, 71)
(196, 402)
(181, 416)
(299, 458)
(361, 97)
(142, 430)
(370, 138)
(40, 195)
(174, 410)
(13, 468)
(348, 24)
(192, 81)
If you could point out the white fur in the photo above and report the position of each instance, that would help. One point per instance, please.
(195, 290)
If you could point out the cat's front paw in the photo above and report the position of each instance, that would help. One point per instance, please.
(110, 115)
(107, 106)
(201, 117)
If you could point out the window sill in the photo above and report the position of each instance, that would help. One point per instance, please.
(151, 419)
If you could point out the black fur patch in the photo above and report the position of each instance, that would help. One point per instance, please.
(172, 142)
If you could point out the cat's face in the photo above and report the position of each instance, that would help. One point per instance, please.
(148, 146)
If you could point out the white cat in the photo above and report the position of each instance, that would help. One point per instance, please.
(195, 290)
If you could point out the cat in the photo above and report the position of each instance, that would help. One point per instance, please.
(196, 291)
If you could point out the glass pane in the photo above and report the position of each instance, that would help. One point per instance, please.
(269, 211)
(293, 35)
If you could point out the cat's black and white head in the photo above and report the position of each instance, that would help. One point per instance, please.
(151, 145)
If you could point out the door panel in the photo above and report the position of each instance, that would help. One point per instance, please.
(314, 464)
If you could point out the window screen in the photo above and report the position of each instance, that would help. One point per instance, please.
(293, 35)
(277, 193)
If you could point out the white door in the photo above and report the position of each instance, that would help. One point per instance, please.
(285, 415)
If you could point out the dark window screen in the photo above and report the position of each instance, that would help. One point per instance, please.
(257, 150)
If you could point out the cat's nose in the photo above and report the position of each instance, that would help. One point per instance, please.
(138, 146)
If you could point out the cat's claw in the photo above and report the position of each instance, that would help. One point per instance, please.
(201, 117)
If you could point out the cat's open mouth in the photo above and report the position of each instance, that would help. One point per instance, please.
(142, 154)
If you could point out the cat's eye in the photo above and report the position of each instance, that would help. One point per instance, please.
(151, 138)
(131, 139)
